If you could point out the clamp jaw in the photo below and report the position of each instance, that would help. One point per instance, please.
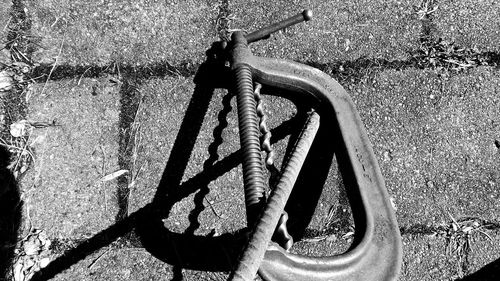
(378, 254)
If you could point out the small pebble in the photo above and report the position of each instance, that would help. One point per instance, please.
(387, 156)
(430, 184)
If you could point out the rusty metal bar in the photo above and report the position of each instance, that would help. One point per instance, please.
(260, 237)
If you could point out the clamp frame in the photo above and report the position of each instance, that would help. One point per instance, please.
(378, 254)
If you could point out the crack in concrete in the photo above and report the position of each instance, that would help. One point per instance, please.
(458, 236)
(19, 46)
(141, 72)
(19, 30)
(411, 230)
(223, 20)
(13, 108)
(429, 29)
(340, 70)
(129, 105)
(425, 229)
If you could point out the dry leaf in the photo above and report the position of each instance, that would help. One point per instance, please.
(348, 234)
(44, 262)
(113, 175)
(23, 169)
(18, 129)
(31, 248)
(44, 240)
(467, 229)
(18, 271)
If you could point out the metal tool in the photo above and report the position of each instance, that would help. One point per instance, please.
(377, 255)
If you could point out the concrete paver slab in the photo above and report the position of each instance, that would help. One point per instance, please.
(131, 32)
(339, 30)
(63, 193)
(470, 23)
(117, 264)
(483, 262)
(426, 258)
(159, 124)
(435, 140)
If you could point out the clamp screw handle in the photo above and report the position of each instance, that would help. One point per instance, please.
(265, 32)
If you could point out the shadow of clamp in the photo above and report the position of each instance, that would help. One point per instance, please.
(377, 254)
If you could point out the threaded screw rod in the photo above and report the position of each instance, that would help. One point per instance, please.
(255, 250)
(253, 177)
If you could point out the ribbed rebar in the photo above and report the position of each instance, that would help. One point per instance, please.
(281, 234)
(253, 177)
(283, 238)
(264, 130)
(254, 251)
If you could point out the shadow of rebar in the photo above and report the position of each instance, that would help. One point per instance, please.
(203, 191)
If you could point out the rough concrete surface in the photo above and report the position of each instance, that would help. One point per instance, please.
(63, 189)
(159, 123)
(130, 32)
(340, 30)
(126, 91)
(4, 19)
(428, 259)
(481, 261)
(117, 264)
(435, 140)
(470, 23)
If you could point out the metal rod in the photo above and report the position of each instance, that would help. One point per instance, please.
(268, 30)
(253, 176)
(255, 250)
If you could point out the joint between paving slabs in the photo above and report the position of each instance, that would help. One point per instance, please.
(19, 48)
(426, 15)
(459, 236)
(158, 69)
(129, 142)
(17, 263)
(223, 21)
